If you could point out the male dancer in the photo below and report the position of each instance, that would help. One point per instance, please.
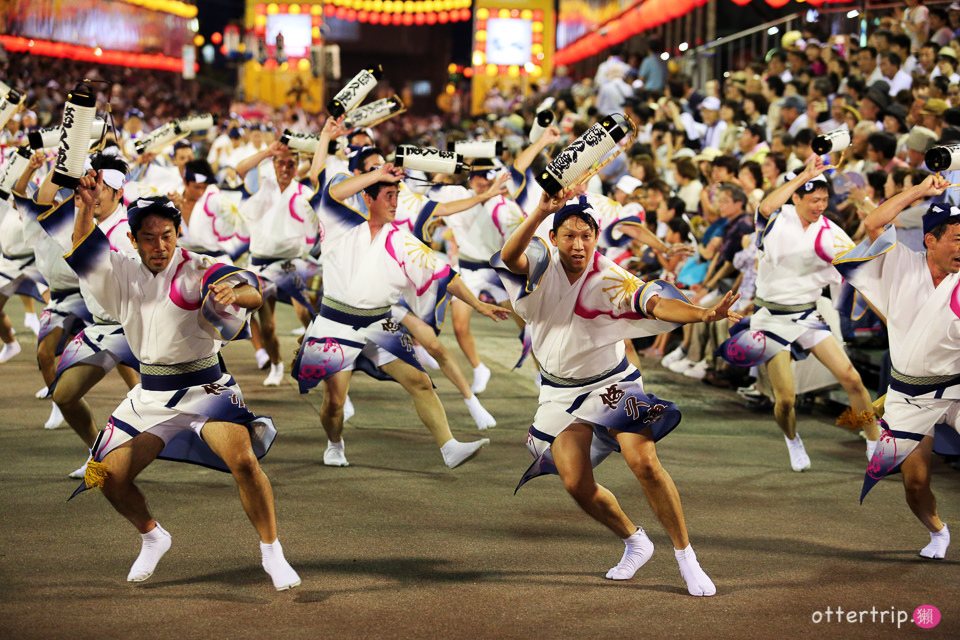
(66, 312)
(368, 263)
(176, 308)
(797, 245)
(580, 307)
(18, 276)
(102, 346)
(283, 227)
(919, 295)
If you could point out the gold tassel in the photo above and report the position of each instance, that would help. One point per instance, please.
(855, 421)
(878, 405)
(95, 475)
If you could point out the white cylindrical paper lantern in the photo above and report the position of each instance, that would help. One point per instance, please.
(583, 153)
(373, 113)
(543, 120)
(15, 168)
(78, 115)
(836, 140)
(477, 148)
(355, 91)
(428, 159)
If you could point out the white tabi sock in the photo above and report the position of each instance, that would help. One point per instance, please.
(335, 454)
(639, 550)
(155, 543)
(30, 322)
(425, 358)
(871, 448)
(456, 453)
(480, 415)
(481, 376)
(55, 419)
(275, 377)
(263, 358)
(277, 567)
(698, 582)
(10, 349)
(348, 409)
(939, 541)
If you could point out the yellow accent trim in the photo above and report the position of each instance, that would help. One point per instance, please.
(837, 260)
(95, 475)
(249, 311)
(344, 204)
(854, 420)
(526, 286)
(76, 245)
(523, 184)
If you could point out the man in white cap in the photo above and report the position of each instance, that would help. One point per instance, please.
(917, 294)
(798, 244)
(711, 131)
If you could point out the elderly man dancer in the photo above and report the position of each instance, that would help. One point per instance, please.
(798, 244)
(919, 295)
(176, 309)
(580, 307)
(368, 263)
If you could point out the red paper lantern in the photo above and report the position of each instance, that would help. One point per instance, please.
(431, 18)
(443, 17)
(329, 10)
(341, 13)
(363, 16)
(408, 19)
(396, 19)
(741, 3)
(419, 18)
(464, 14)
(374, 17)
(352, 15)
(778, 4)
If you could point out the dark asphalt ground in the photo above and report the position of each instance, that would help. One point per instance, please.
(397, 546)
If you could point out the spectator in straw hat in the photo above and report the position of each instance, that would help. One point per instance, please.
(931, 116)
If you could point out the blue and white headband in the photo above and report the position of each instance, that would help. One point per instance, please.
(808, 186)
(937, 214)
(152, 204)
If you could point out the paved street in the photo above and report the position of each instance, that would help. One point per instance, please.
(398, 546)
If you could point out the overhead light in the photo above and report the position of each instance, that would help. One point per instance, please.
(683, 46)
(773, 31)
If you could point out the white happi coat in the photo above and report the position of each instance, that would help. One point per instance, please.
(796, 263)
(281, 224)
(794, 266)
(49, 254)
(216, 225)
(364, 277)
(577, 331)
(923, 323)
